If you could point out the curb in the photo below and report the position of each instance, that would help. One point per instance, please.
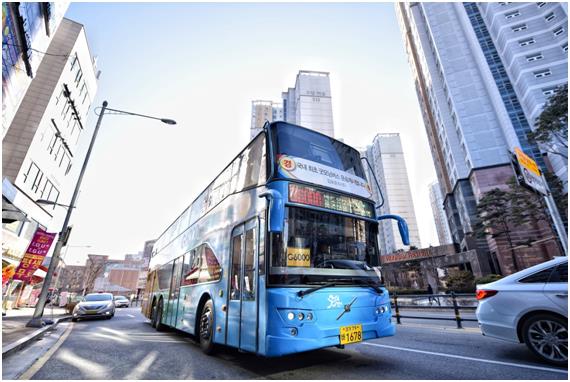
(23, 342)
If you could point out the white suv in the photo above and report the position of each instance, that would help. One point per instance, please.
(529, 306)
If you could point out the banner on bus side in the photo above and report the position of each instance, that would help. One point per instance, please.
(298, 257)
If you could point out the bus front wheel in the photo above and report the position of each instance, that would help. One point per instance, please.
(206, 328)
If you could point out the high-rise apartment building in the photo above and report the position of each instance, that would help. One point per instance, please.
(262, 111)
(309, 104)
(472, 111)
(386, 157)
(27, 30)
(40, 148)
(441, 226)
(532, 42)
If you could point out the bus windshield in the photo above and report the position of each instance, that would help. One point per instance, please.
(319, 247)
(302, 143)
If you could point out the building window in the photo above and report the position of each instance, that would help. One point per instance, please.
(503, 3)
(558, 31)
(534, 57)
(565, 47)
(32, 172)
(542, 73)
(513, 14)
(74, 62)
(528, 41)
(549, 91)
(549, 17)
(541, 4)
(518, 28)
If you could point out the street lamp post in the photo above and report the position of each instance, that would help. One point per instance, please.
(36, 320)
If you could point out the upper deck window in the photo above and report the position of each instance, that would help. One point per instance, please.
(302, 143)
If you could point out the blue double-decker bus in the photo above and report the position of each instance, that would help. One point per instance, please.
(278, 255)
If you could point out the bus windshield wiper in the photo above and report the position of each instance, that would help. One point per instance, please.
(305, 292)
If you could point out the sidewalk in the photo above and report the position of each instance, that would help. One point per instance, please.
(14, 323)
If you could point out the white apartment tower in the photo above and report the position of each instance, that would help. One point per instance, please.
(473, 70)
(308, 104)
(532, 40)
(386, 157)
(40, 148)
(262, 111)
(441, 226)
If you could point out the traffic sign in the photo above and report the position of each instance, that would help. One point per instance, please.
(529, 172)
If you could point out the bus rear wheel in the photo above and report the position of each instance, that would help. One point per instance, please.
(206, 328)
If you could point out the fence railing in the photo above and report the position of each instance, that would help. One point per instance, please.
(396, 306)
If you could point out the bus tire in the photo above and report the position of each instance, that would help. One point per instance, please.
(158, 325)
(206, 328)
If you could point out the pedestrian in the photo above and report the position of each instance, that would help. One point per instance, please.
(430, 293)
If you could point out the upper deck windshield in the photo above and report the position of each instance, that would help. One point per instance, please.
(297, 142)
(320, 247)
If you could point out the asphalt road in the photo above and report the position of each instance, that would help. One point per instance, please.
(126, 347)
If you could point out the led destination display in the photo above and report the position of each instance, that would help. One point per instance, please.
(324, 199)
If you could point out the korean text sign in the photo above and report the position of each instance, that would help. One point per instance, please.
(35, 254)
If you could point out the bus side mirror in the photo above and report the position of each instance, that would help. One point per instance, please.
(276, 210)
(402, 227)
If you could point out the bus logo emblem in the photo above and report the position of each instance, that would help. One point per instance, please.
(287, 163)
(334, 301)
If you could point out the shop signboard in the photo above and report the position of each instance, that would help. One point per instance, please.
(34, 256)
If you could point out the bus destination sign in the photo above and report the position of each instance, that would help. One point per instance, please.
(319, 198)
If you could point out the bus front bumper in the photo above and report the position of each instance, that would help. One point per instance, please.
(310, 338)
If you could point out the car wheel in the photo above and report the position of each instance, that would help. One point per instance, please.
(547, 337)
(206, 328)
(159, 326)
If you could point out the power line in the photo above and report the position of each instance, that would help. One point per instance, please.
(37, 51)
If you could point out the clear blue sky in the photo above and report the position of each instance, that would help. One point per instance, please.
(203, 64)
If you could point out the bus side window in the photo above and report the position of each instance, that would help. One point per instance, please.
(235, 273)
(189, 274)
(210, 269)
(249, 271)
(261, 246)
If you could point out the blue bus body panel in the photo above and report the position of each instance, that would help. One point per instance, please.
(326, 306)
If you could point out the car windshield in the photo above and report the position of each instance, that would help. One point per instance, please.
(323, 247)
(120, 298)
(99, 297)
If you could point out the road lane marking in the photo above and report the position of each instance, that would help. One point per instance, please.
(130, 315)
(523, 366)
(42, 361)
(142, 367)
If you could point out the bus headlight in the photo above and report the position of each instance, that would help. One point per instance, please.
(293, 331)
(300, 316)
(309, 316)
(290, 316)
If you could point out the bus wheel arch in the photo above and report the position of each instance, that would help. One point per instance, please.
(205, 316)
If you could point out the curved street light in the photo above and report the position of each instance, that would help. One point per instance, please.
(37, 320)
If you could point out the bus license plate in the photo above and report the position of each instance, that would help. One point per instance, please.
(350, 334)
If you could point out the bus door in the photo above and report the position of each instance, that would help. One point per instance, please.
(242, 304)
(174, 293)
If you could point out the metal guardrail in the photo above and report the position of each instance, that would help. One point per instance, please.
(456, 307)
